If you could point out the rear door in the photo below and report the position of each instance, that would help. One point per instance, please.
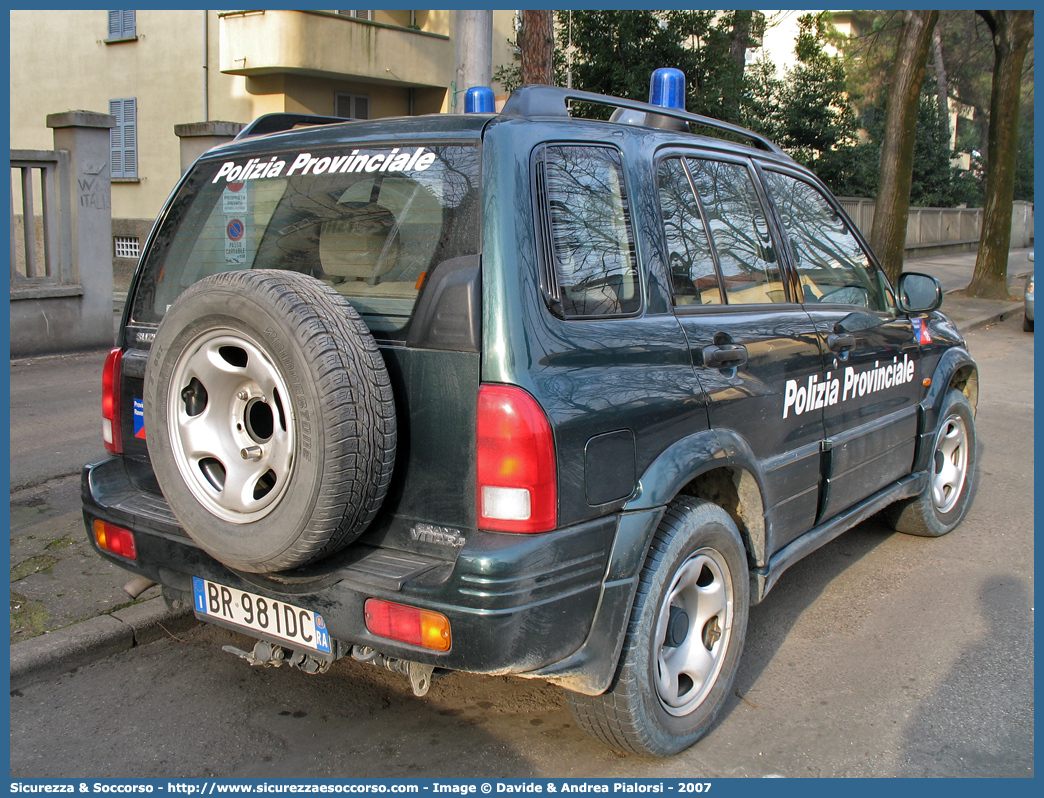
(749, 337)
(871, 357)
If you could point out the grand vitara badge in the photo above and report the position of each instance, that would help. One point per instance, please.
(397, 159)
(439, 535)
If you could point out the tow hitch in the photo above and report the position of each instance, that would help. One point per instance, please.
(420, 676)
(272, 656)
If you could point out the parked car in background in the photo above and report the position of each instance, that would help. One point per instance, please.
(1027, 322)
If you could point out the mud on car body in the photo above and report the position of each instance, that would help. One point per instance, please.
(518, 393)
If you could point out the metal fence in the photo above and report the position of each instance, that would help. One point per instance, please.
(40, 242)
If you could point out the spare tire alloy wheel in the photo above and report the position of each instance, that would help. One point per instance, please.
(684, 642)
(270, 418)
(231, 435)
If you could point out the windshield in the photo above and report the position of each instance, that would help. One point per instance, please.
(371, 222)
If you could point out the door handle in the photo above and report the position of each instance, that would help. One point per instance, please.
(841, 343)
(725, 356)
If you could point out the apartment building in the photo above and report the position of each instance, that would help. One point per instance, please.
(157, 69)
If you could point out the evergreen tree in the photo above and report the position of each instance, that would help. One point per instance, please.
(817, 118)
(932, 184)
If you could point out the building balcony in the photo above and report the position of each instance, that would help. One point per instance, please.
(327, 45)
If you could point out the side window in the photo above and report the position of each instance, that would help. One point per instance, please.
(688, 250)
(739, 229)
(831, 265)
(590, 267)
(352, 106)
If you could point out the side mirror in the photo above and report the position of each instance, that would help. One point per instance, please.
(918, 293)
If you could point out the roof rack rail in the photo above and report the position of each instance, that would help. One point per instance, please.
(539, 100)
(277, 123)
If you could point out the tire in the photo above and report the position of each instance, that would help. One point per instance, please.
(271, 422)
(947, 497)
(654, 705)
(1027, 324)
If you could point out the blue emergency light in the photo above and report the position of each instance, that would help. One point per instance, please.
(479, 100)
(667, 88)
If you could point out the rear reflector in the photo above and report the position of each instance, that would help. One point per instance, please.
(111, 432)
(115, 539)
(407, 624)
(515, 454)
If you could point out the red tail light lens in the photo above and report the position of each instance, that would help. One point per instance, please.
(407, 624)
(115, 539)
(111, 432)
(517, 477)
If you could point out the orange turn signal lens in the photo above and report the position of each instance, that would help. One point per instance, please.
(407, 624)
(115, 539)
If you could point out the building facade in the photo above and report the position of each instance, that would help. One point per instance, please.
(155, 69)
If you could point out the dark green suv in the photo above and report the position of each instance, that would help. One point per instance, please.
(518, 393)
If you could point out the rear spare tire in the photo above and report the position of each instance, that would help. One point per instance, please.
(270, 418)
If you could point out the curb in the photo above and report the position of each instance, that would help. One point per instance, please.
(991, 317)
(63, 650)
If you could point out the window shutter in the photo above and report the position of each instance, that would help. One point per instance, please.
(123, 139)
(116, 140)
(130, 138)
(121, 24)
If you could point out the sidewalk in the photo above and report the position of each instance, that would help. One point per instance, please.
(68, 607)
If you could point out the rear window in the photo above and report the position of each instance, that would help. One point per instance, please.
(370, 221)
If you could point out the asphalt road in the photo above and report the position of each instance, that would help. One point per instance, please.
(879, 655)
(55, 416)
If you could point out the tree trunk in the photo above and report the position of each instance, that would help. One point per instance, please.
(741, 24)
(536, 40)
(1012, 31)
(888, 236)
(941, 87)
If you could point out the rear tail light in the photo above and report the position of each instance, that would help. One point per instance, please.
(111, 432)
(407, 624)
(517, 478)
(115, 539)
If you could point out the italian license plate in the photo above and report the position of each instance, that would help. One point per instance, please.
(253, 613)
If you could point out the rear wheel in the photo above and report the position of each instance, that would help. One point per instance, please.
(1027, 324)
(684, 639)
(945, 500)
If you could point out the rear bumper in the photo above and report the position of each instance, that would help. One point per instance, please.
(517, 604)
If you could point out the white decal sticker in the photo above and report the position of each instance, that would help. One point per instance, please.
(394, 160)
(817, 393)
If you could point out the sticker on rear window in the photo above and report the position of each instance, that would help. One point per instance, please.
(395, 160)
(234, 199)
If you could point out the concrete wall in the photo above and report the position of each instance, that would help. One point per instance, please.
(931, 231)
(73, 312)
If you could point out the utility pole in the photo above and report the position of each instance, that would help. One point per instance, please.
(474, 54)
